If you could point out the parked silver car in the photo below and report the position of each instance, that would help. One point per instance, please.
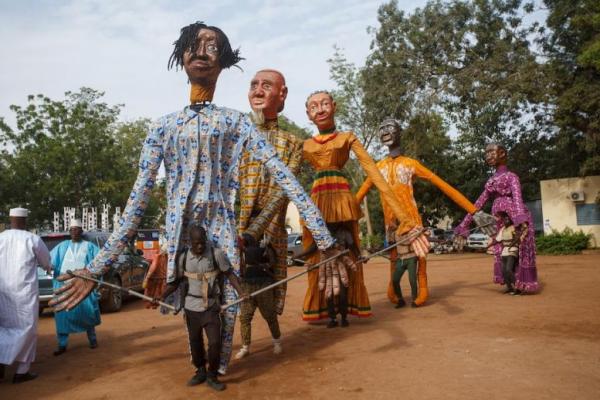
(128, 271)
(294, 248)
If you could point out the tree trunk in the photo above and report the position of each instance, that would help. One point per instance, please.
(368, 220)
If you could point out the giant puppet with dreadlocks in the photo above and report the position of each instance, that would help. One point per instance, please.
(201, 147)
(328, 152)
(504, 189)
(399, 172)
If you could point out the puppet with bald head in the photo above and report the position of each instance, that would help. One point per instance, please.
(263, 204)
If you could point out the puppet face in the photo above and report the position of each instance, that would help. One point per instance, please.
(389, 133)
(202, 66)
(267, 93)
(320, 109)
(495, 155)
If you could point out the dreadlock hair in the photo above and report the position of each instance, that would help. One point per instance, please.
(317, 92)
(188, 41)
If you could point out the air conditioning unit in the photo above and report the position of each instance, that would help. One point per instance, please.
(577, 196)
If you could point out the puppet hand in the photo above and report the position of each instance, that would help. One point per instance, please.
(485, 222)
(459, 242)
(326, 278)
(73, 291)
(418, 242)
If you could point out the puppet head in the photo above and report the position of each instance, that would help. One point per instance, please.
(495, 155)
(320, 109)
(203, 52)
(267, 93)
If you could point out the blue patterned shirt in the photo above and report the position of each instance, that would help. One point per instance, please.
(201, 152)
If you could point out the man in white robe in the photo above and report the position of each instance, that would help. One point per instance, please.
(21, 252)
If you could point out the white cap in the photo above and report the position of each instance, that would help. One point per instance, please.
(75, 223)
(18, 212)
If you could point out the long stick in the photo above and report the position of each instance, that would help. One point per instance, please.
(404, 241)
(128, 291)
(289, 278)
(380, 252)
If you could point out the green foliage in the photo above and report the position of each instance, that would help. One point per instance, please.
(373, 242)
(565, 242)
(69, 152)
(468, 64)
(305, 174)
(573, 50)
(351, 112)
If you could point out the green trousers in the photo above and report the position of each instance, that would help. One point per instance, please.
(409, 264)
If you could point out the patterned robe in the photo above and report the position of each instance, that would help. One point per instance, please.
(399, 172)
(201, 152)
(263, 204)
(504, 189)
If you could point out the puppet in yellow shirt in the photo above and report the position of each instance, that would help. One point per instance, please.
(399, 172)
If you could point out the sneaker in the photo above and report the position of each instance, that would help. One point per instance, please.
(277, 349)
(332, 324)
(222, 371)
(517, 293)
(213, 382)
(197, 379)
(345, 323)
(20, 378)
(244, 351)
(59, 351)
(93, 345)
(401, 303)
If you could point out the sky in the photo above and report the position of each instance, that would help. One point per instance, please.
(122, 47)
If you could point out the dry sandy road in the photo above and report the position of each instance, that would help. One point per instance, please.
(469, 341)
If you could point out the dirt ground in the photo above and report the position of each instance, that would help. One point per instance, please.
(468, 341)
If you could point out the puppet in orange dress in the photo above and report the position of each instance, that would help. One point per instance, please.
(399, 172)
(328, 153)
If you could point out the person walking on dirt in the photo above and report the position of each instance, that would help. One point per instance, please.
(71, 254)
(200, 270)
(20, 254)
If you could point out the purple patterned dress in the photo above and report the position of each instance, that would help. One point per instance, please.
(504, 189)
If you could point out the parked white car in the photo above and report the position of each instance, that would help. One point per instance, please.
(478, 241)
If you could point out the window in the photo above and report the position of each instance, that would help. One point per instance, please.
(588, 214)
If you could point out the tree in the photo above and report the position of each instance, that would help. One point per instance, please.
(469, 66)
(69, 152)
(573, 50)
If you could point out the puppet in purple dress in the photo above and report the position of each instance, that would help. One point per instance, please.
(504, 189)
